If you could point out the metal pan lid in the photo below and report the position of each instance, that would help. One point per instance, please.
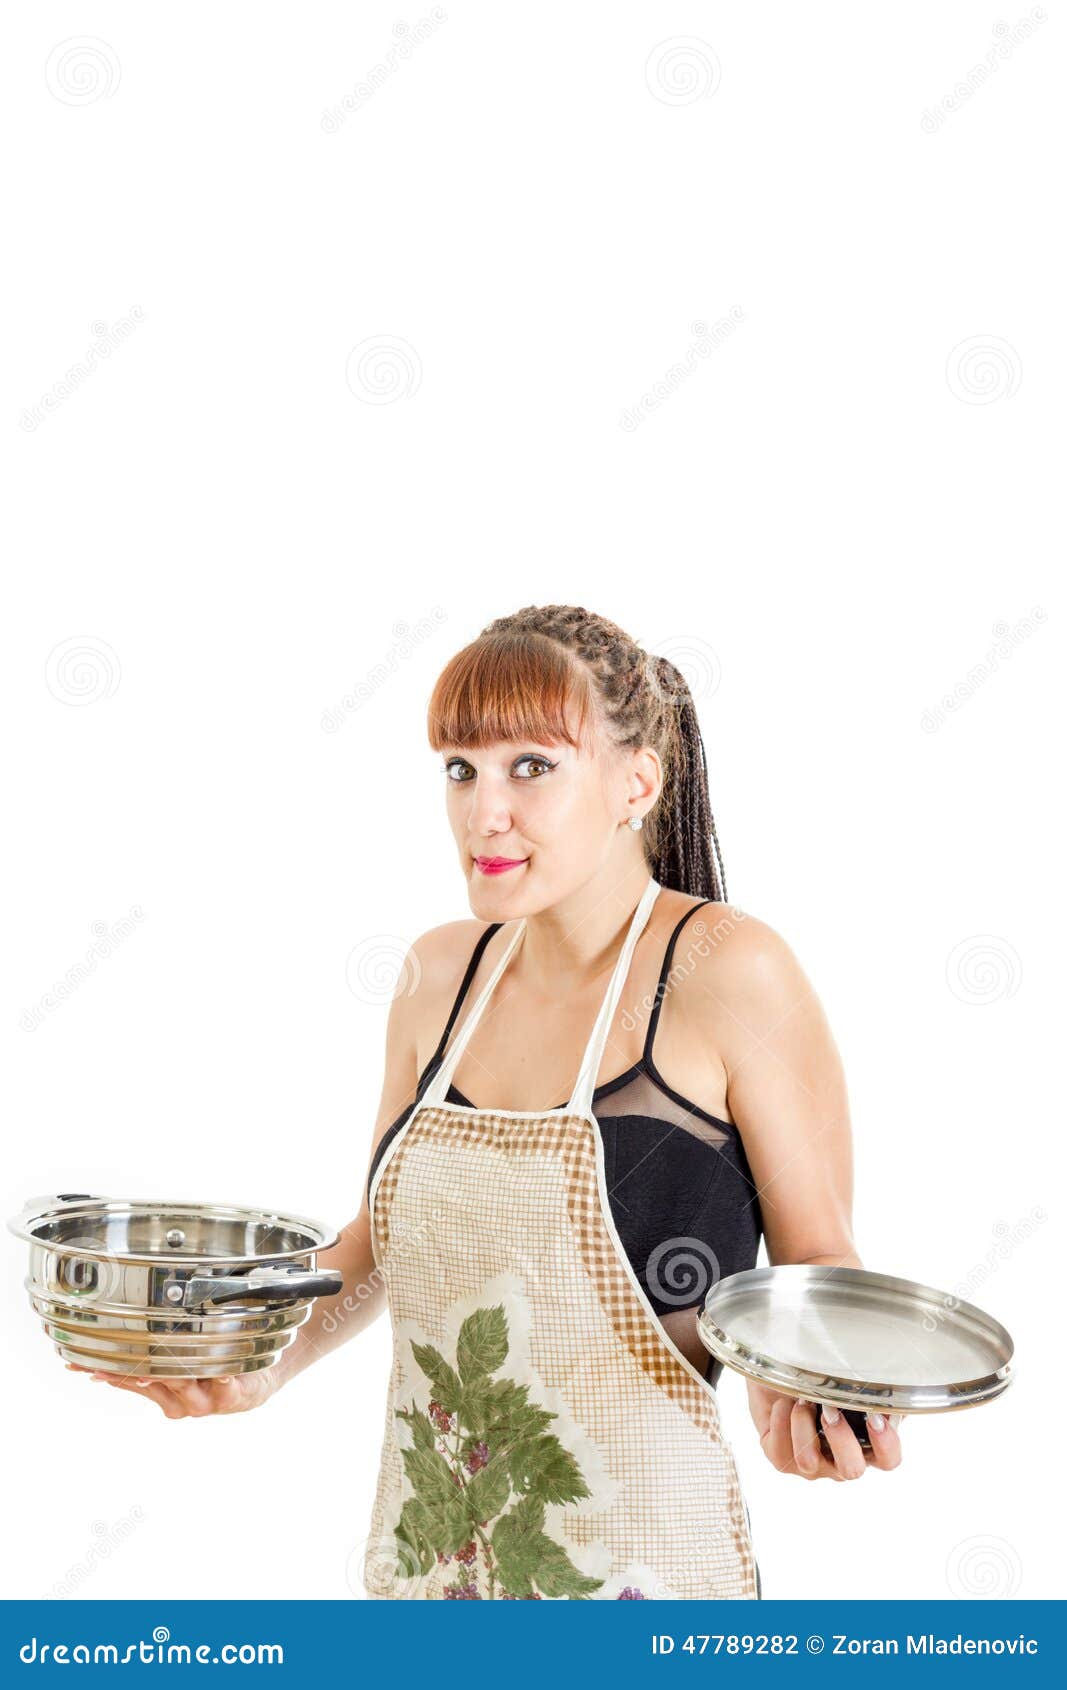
(856, 1339)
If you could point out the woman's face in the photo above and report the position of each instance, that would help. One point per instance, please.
(550, 813)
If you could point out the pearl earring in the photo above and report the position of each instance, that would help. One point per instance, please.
(636, 822)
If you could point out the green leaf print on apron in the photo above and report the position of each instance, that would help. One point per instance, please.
(544, 1436)
(483, 1465)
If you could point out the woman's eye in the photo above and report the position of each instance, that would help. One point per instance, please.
(459, 770)
(531, 758)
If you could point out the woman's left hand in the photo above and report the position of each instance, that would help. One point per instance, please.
(789, 1435)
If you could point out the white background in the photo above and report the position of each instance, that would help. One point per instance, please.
(823, 523)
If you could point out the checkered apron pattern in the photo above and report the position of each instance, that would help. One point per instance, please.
(544, 1437)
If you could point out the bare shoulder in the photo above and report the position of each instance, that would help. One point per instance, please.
(435, 966)
(443, 952)
(747, 969)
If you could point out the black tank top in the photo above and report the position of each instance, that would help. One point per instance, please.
(681, 1191)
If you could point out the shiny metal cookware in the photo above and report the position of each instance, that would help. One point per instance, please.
(859, 1340)
(158, 1290)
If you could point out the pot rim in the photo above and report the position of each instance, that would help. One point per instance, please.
(37, 1209)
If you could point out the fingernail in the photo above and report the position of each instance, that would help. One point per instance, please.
(894, 1420)
(101, 1376)
(830, 1415)
(876, 1422)
(140, 1381)
(226, 1379)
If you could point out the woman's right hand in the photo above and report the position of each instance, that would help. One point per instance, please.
(789, 1436)
(183, 1398)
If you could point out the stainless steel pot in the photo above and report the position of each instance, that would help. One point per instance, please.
(158, 1290)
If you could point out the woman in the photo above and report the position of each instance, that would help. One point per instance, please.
(552, 1424)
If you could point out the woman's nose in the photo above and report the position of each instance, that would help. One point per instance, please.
(490, 812)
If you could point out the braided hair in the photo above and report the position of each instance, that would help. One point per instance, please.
(534, 673)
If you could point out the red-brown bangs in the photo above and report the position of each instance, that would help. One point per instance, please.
(509, 687)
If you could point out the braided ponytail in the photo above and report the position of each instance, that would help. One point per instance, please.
(688, 847)
(530, 674)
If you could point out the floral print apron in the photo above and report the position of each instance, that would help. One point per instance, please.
(544, 1436)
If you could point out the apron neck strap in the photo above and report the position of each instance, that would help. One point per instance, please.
(581, 1101)
(582, 1097)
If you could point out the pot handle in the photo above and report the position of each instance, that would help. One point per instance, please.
(275, 1283)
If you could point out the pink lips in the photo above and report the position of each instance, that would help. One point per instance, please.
(499, 865)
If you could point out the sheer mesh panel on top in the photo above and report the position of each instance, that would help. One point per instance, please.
(642, 1095)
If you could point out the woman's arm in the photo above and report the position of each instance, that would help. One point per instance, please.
(362, 1297)
(787, 1094)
